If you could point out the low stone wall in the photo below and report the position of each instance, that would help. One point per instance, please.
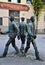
(41, 31)
(3, 28)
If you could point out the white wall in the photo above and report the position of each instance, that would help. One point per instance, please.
(4, 14)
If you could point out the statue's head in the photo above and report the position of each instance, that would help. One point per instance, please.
(11, 18)
(22, 18)
(32, 19)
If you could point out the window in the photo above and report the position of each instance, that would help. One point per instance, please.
(14, 13)
(9, 0)
(14, 1)
(0, 20)
(17, 20)
(19, 1)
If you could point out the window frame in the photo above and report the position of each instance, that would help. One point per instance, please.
(1, 21)
(19, 1)
(9, 0)
(14, 13)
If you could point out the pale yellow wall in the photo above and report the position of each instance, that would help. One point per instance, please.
(43, 20)
(4, 0)
(30, 12)
(41, 23)
(27, 14)
(23, 1)
(4, 13)
(5, 21)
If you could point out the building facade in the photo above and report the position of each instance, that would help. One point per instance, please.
(6, 13)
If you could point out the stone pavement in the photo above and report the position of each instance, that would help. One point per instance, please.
(12, 59)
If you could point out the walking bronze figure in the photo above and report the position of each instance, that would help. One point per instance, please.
(13, 30)
(22, 33)
(31, 36)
